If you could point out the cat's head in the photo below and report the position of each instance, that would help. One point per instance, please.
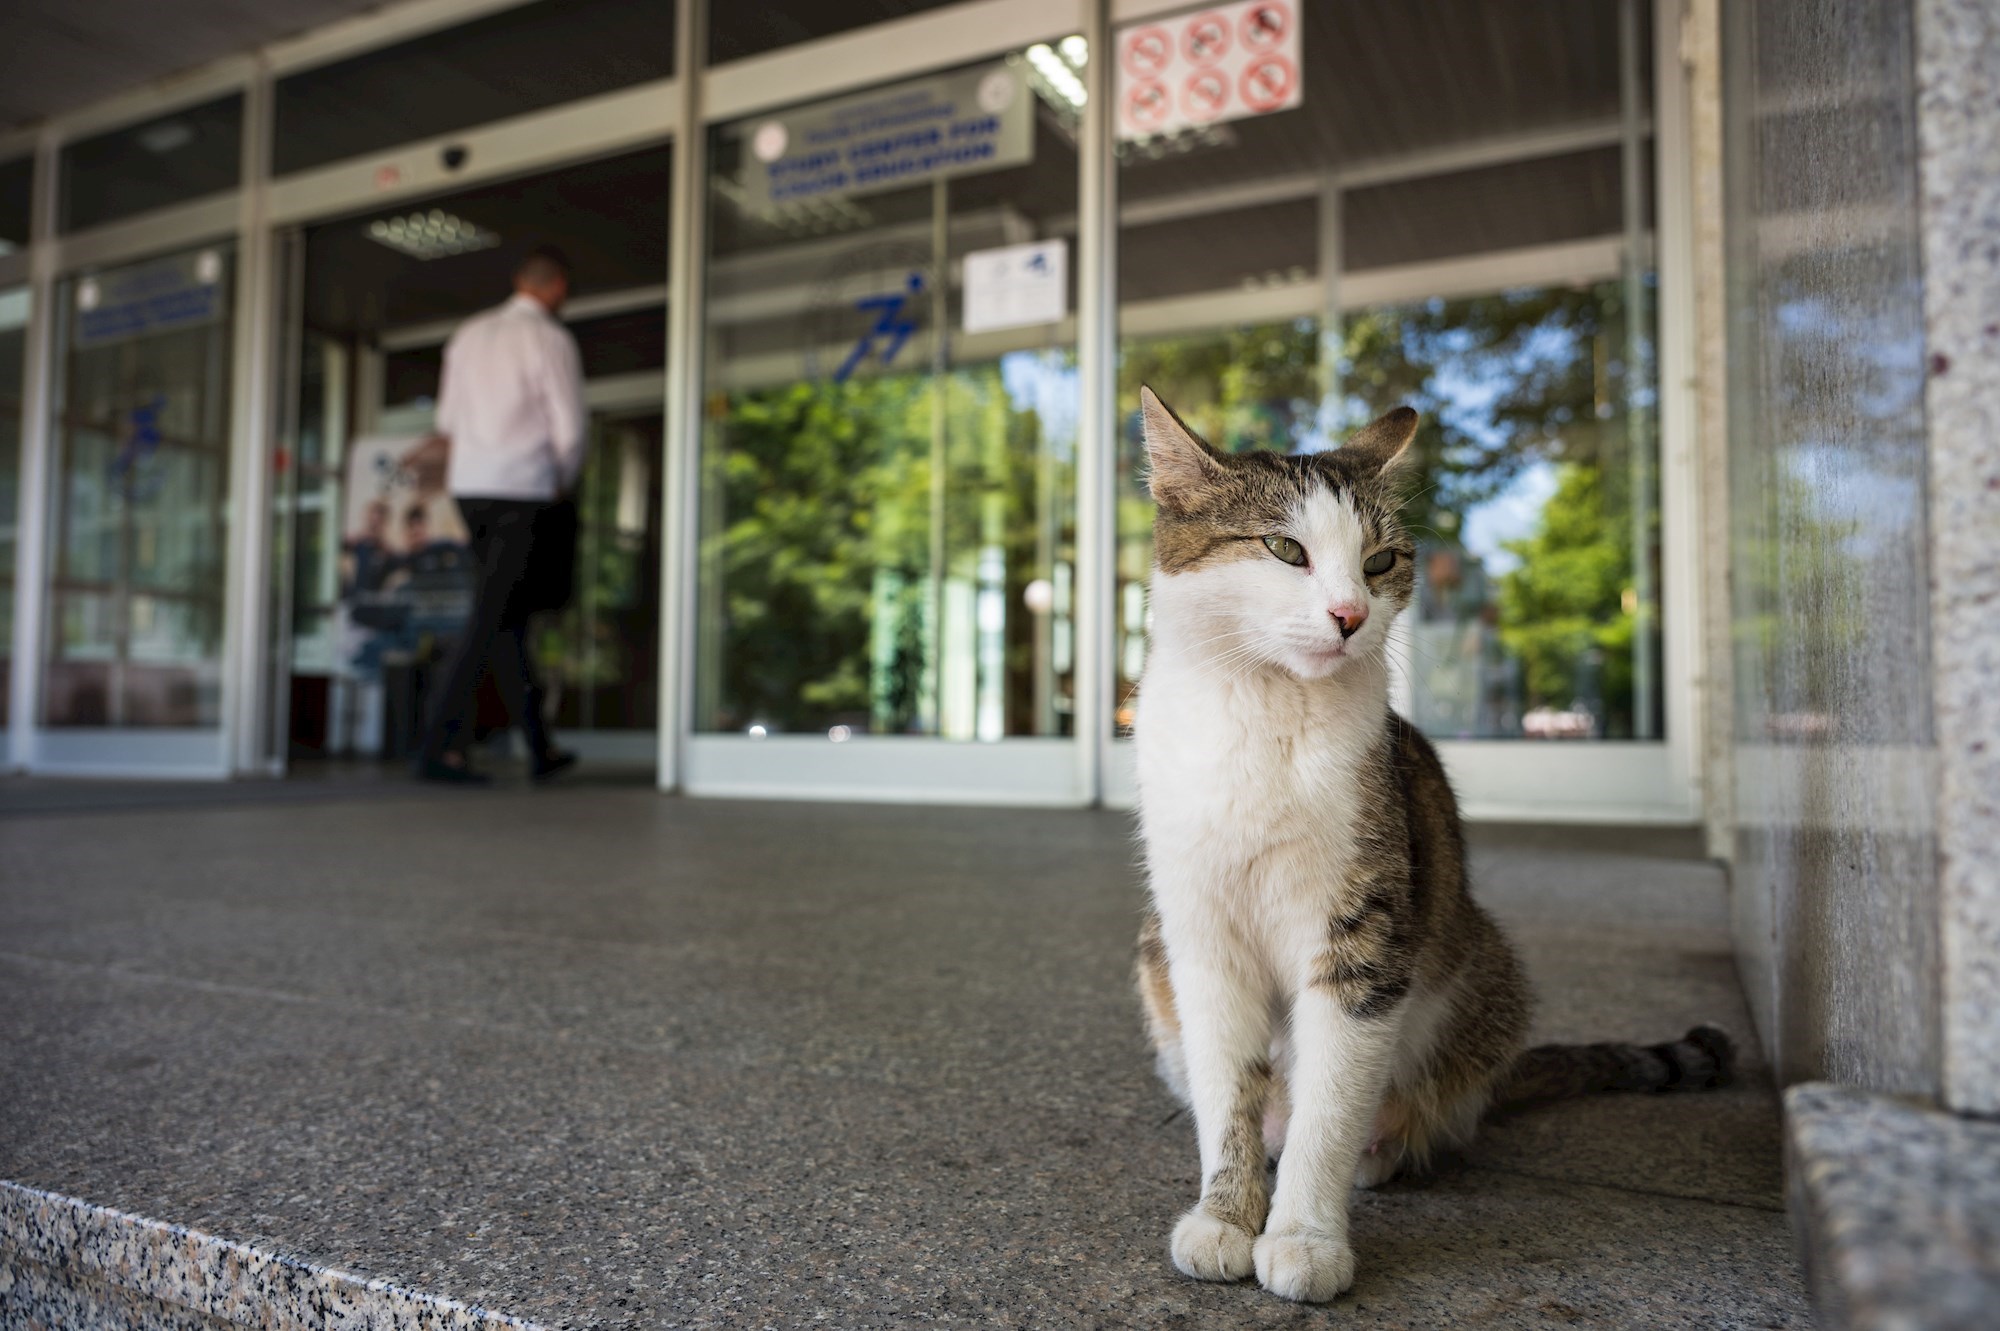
(1292, 561)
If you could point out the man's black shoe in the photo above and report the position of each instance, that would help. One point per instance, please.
(444, 773)
(556, 761)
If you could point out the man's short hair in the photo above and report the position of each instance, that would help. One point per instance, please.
(544, 263)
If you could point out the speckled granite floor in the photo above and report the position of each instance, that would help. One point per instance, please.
(597, 1058)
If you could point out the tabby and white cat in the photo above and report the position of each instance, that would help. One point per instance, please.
(1316, 977)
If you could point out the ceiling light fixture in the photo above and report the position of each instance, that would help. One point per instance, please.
(800, 218)
(166, 136)
(435, 234)
(1055, 76)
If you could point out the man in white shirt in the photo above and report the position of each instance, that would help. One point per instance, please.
(511, 404)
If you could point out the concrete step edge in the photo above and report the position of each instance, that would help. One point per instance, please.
(1897, 1211)
(55, 1249)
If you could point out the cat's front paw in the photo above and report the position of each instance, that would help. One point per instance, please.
(1304, 1265)
(1211, 1249)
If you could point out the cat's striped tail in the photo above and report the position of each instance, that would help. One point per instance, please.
(1702, 1059)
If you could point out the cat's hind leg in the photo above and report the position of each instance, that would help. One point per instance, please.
(1388, 1149)
(1417, 1122)
(1156, 997)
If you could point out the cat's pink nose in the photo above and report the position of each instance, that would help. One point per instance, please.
(1350, 616)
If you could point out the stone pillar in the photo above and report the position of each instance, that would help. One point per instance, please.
(1958, 141)
(1701, 61)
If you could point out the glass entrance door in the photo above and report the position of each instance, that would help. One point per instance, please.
(133, 664)
(1490, 259)
(600, 657)
(342, 659)
(887, 528)
(375, 584)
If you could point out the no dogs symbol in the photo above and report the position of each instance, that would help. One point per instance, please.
(1265, 27)
(1147, 53)
(1205, 40)
(1147, 106)
(1268, 84)
(1207, 93)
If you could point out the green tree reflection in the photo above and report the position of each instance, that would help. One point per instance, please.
(1507, 384)
(824, 558)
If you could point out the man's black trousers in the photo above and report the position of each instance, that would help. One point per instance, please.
(496, 633)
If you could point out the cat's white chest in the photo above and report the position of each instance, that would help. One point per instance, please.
(1248, 799)
(1263, 750)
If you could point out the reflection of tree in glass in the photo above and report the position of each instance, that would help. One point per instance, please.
(1506, 382)
(1562, 611)
(821, 558)
(1800, 591)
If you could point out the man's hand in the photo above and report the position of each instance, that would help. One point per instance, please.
(426, 462)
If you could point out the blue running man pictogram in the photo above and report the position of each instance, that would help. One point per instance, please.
(138, 447)
(890, 324)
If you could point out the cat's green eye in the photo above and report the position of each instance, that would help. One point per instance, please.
(1287, 549)
(1379, 562)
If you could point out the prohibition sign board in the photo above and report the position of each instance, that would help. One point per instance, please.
(1206, 66)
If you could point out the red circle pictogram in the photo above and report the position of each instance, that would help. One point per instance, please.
(1268, 83)
(1147, 106)
(1205, 39)
(1206, 94)
(1266, 26)
(1147, 52)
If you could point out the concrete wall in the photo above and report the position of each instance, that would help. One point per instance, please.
(1835, 871)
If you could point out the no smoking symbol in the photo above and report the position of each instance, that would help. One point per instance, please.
(1265, 26)
(1206, 92)
(1268, 83)
(1147, 106)
(1147, 52)
(1206, 40)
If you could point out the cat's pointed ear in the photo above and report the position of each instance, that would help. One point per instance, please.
(1382, 447)
(1182, 465)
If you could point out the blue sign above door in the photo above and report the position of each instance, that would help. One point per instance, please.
(158, 296)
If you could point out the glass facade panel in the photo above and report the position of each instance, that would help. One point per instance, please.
(735, 31)
(887, 529)
(522, 59)
(1457, 216)
(17, 189)
(608, 214)
(317, 457)
(175, 158)
(141, 470)
(13, 362)
(1288, 276)
(600, 658)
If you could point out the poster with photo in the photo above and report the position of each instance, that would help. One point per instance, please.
(405, 570)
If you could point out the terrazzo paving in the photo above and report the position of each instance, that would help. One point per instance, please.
(598, 1058)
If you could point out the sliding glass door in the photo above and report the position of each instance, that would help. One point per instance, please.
(133, 664)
